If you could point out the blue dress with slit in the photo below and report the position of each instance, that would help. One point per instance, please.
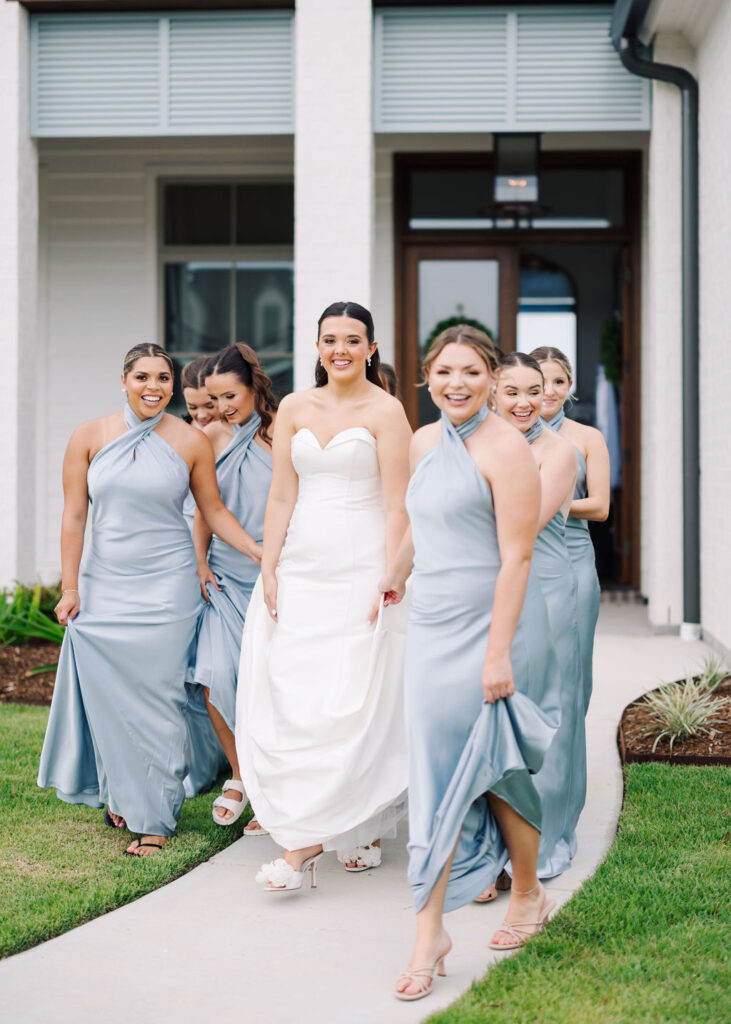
(460, 746)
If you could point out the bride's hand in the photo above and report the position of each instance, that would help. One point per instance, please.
(269, 583)
(392, 592)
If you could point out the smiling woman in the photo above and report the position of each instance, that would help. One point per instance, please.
(117, 732)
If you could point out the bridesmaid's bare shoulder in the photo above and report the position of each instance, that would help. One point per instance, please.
(93, 435)
(424, 440)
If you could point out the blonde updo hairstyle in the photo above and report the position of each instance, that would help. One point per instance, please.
(548, 354)
(462, 334)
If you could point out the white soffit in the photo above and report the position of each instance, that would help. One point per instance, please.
(477, 69)
(217, 73)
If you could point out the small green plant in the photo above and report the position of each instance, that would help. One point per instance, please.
(715, 670)
(22, 616)
(683, 709)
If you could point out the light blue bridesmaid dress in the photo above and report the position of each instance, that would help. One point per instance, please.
(116, 732)
(459, 745)
(561, 782)
(244, 473)
(581, 550)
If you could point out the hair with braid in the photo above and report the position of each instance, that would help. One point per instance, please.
(241, 360)
(357, 312)
(143, 350)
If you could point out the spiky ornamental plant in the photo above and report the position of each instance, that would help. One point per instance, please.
(713, 673)
(684, 709)
(21, 617)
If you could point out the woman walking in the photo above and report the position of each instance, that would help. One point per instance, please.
(561, 782)
(319, 720)
(478, 633)
(591, 498)
(241, 442)
(117, 732)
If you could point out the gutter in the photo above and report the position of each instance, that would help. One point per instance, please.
(626, 22)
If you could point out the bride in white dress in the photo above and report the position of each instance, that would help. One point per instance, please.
(319, 717)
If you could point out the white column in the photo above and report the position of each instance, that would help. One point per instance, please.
(18, 287)
(662, 384)
(334, 166)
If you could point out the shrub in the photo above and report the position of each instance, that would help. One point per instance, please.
(24, 614)
(714, 672)
(683, 709)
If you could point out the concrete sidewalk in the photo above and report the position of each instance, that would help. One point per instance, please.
(214, 947)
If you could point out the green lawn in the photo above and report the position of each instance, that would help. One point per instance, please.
(60, 865)
(646, 940)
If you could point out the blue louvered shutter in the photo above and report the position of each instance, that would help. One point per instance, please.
(218, 73)
(474, 69)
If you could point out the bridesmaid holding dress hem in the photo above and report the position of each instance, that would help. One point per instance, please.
(116, 731)
(481, 676)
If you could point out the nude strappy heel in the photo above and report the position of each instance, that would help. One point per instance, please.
(513, 929)
(423, 977)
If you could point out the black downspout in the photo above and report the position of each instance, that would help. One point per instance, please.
(691, 424)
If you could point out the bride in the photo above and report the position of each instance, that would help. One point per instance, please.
(319, 719)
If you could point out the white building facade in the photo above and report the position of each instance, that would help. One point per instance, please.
(198, 176)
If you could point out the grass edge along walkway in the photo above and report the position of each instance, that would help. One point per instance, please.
(645, 940)
(60, 866)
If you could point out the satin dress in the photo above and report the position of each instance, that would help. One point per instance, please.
(460, 746)
(244, 474)
(561, 782)
(117, 732)
(581, 550)
(319, 714)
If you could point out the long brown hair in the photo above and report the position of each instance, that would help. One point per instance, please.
(241, 360)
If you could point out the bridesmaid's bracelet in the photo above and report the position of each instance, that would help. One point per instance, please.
(71, 590)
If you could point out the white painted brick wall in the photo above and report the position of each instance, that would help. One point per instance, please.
(714, 76)
(662, 575)
(334, 199)
(18, 277)
(99, 273)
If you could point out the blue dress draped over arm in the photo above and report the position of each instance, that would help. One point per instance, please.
(459, 745)
(116, 732)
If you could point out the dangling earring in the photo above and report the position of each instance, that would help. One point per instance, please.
(124, 391)
(368, 360)
(320, 359)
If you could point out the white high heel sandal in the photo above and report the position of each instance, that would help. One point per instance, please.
(362, 857)
(279, 876)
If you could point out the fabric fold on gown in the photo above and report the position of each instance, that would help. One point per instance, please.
(319, 712)
(116, 731)
(459, 745)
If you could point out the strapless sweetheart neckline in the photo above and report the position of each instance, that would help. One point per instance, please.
(340, 433)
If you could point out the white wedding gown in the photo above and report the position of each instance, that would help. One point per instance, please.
(319, 713)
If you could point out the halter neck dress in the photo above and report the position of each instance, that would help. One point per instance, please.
(460, 746)
(117, 732)
(244, 474)
(561, 782)
(581, 550)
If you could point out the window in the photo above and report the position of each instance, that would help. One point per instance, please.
(547, 311)
(227, 272)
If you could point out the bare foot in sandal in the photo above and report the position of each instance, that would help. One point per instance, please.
(145, 846)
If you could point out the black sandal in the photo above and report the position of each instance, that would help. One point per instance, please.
(133, 853)
(110, 822)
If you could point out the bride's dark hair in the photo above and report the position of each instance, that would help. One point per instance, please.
(357, 312)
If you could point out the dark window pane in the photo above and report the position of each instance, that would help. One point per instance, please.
(281, 373)
(265, 214)
(197, 307)
(198, 214)
(581, 198)
(264, 307)
(452, 193)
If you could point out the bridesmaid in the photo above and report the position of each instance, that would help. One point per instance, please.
(202, 409)
(561, 782)
(242, 444)
(117, 729)
(478, 633)
(591, 498)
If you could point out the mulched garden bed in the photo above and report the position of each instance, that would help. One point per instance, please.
(713, 747)
(15, 662)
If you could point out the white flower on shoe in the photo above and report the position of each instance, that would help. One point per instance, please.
(277, 873)
(368, 856)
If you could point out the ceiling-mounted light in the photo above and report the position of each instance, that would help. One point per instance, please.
(516, 171)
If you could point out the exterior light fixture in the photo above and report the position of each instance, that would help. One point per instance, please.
(516, 172)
